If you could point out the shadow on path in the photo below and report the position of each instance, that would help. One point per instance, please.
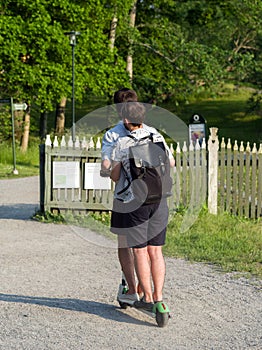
(103, 310)
(18, 211)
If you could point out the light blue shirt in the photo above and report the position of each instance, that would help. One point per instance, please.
(111, 136)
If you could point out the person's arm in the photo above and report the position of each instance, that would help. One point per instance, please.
(116, 162)
(108, 144)
(172, 161)
(115, 172)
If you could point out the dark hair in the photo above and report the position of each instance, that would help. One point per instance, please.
(125, 95)
(134, 112)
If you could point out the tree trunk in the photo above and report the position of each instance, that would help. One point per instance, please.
(129, 66)
(19, 117)
(112, 34)
(25, 137)
(60, 116)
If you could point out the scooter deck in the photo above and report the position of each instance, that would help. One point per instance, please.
(160, 312)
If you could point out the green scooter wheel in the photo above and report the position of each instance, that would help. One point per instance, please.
(162, 318)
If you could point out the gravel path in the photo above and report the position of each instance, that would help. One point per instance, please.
(58, 292)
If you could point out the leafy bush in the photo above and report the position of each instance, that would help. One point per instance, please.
(6, 124)
(254, 104)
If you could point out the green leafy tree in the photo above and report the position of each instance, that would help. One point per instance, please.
(177, 48)
(36, 56)
(181, 47)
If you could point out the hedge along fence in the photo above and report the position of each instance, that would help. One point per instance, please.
(225, 179)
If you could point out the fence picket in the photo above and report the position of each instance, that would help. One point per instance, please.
(203, 191)
(191, 176)
(197, 174)
(247, 180)
(177, 177)
(184, 175)
(228, 175)
(241, 179)
(253, 181)
(222, 174)
(235, 202)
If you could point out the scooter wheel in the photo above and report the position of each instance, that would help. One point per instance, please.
(123, 305)
(162, 318)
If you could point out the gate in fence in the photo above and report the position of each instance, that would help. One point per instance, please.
(70, 179)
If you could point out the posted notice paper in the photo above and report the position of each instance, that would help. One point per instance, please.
(93, 180)
(66, 174)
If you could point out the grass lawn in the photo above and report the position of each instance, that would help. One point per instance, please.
(232, 243)
(27, 163)
(228, 113)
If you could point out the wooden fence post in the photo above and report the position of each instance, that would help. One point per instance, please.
(42, 177)
(212, 170)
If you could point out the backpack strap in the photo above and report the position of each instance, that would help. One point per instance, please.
(143, 138)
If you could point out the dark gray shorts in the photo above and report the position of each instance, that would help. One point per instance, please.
(143, 226)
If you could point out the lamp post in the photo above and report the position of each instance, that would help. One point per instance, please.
(72, 37)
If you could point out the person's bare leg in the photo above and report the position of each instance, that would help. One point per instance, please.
(142, 265)
(126, 259)
(158, 270)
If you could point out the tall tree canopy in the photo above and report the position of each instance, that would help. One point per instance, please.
(35, 55)
(177, 47)
(180, 46)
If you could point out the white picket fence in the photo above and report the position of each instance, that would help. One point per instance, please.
(218, 176)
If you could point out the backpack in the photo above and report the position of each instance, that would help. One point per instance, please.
(149, 170)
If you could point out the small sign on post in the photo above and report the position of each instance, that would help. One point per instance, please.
(197, 128)
(20, 106)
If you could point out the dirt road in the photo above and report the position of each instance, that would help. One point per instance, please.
(58, 292)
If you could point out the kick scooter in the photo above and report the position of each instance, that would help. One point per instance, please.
(160, 311)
